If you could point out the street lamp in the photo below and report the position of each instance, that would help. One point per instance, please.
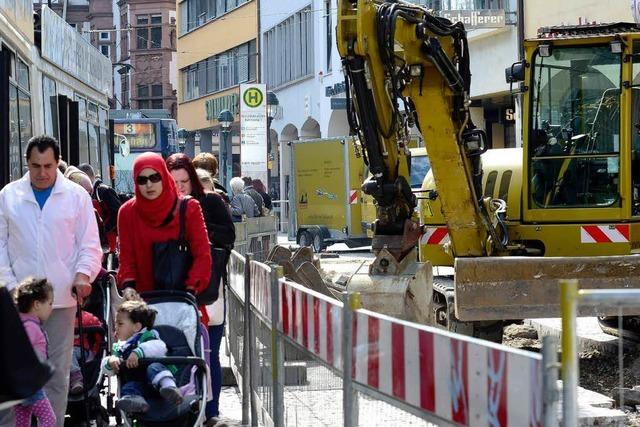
(182, 139)
(225, 118)
(272, 110)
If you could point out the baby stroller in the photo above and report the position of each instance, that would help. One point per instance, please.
(85, 408)
(178, 325)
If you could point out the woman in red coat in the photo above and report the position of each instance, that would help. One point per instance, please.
(152, 217)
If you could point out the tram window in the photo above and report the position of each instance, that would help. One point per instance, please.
(22, 74)
(24, 110)
(92, 112)
(104, 156)
(94, 153)
(83, 142)
(15, 165)
(49, 99)
(82, 107)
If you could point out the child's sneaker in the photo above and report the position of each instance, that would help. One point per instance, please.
(171, 394)
(132, 404)
(75, 383)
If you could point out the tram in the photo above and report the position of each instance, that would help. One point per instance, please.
(54, 82)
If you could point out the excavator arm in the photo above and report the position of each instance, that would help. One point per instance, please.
(405, 66)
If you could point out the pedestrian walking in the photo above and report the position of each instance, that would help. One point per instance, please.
(241, 202)
(209, 162)
(257, 198)
(151, 218)
(258, 185)
(48, 229)
(35, 304)
(222, 236)
(107, 204)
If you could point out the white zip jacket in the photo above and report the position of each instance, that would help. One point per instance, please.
(56, 242)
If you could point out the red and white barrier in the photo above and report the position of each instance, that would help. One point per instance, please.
(312, 320)
(456, 378)
(261, 288)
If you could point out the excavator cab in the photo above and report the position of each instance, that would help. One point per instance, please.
(574, 139)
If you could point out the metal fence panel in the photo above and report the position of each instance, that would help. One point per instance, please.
(399, 372)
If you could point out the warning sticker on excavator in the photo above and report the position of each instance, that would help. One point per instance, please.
(353, 197)
(435, 236)
(617, 233)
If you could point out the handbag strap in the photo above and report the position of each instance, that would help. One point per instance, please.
(182, 238)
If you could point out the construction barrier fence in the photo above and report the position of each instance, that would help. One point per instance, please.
(293, 345)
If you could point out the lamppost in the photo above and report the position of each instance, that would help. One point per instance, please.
(225, 118)
(182, 139)
(272, 110)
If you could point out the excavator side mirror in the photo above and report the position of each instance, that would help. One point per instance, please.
(515, 74)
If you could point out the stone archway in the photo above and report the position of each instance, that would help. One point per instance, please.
(338, 124)
(310, 129)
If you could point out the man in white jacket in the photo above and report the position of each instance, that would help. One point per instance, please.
(48, 229)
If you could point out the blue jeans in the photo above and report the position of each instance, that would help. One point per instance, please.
(215, 338)
(154, 373)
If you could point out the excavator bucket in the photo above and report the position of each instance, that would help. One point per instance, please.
(495, 288)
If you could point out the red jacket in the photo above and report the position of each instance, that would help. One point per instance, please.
(136, 246)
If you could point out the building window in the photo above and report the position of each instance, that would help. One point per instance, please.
(149, 31)
(194, 13)
(288, 49)
(104, 48)
(219, 72)
(104, 35)
(474, 4)
(150, 96)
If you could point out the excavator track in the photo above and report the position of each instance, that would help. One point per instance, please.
(443, 304)
(630, 327)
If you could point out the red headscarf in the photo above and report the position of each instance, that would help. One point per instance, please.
(154, 212)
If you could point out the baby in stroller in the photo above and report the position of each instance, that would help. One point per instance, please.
(137, 339)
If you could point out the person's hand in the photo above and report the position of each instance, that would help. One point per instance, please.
(132, 361)
(82, 287)
(130, 294)
(114, 363)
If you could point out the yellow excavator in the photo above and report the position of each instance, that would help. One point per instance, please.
(510, 222)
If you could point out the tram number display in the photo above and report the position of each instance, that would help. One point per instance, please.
(139, 135)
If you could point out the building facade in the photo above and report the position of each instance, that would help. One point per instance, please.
(301, 65)
(217, 51)
(148, 43)
(139, 37)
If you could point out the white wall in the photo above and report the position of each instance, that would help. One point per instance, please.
(306, 98)
(490, 53)
(572, 12)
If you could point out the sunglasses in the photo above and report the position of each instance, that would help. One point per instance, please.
(142, 180)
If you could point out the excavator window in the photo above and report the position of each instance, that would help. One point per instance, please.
(635, 132)
(574, 147)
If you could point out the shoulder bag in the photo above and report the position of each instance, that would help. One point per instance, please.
(172, 259)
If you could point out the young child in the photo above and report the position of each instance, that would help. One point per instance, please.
(137, 339)
(35, 303)
(91, 347)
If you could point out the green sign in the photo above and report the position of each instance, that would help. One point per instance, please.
(213, 107)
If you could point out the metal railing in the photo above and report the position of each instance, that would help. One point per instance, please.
(256, 236)
(290, 347)
(571, 298)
